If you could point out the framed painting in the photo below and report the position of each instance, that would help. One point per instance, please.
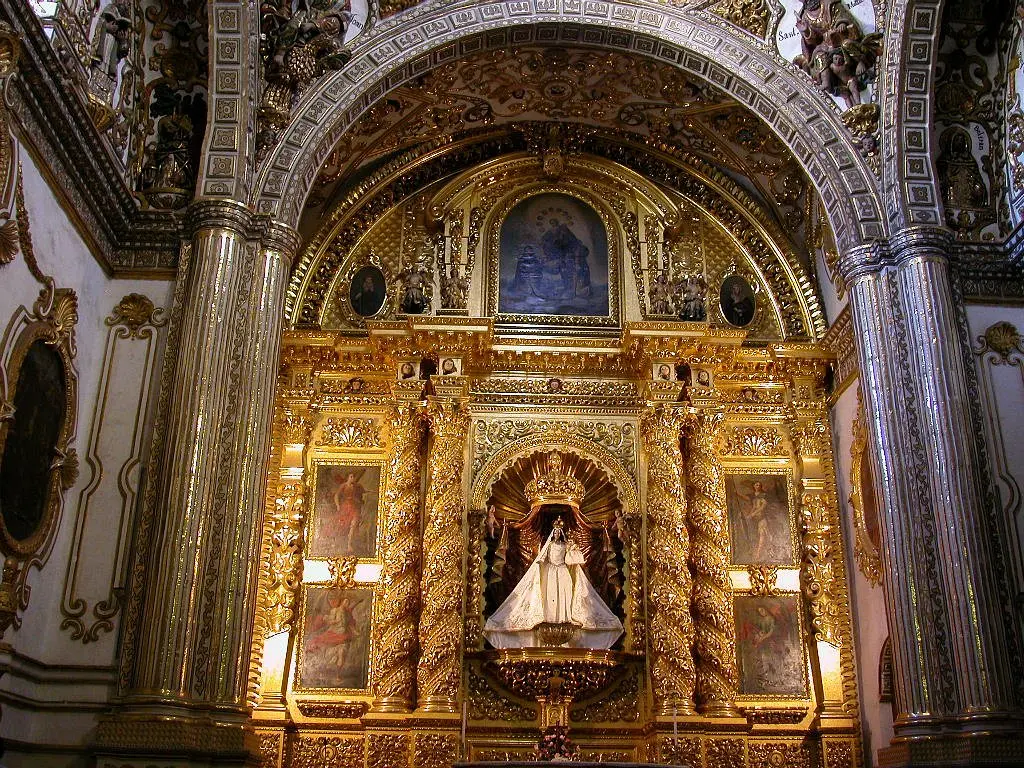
(737, 301)
(760, 522)
(334, 650)
(346, 499)
(769, 646)
(553, 262)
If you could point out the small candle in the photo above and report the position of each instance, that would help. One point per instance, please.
(465, 750)
(675, 725)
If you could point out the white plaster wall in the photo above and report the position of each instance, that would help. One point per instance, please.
(1001, 384)
(867, 601)
(67, 681)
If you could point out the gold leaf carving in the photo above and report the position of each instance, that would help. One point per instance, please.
(317, 751)
(826, 594)
(753, 441)
(486, 703)
(439, 670)
(435, 750)
(668, 547)
(763, 579)
(749, 15)
(134, 312)
(1003, 340)
(387, 750)
(350, 433)
(398, 589)
(285, 555)
(715, 631)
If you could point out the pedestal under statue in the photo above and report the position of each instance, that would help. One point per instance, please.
(554, 604)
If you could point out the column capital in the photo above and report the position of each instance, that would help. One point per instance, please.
(908, 243)
(210, 213)
(278, 237)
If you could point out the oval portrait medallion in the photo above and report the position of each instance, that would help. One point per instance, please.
(736, 299)
(368, 291)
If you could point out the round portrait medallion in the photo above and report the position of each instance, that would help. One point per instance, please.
(736, 299)
(368, 291)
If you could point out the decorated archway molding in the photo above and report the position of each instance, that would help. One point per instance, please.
(437, 32)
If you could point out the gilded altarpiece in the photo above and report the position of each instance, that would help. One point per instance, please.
(675, 473)
(550, 374)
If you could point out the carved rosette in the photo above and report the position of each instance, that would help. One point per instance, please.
(440, 665)
(668, 547)
(398, 589)
(714, 631)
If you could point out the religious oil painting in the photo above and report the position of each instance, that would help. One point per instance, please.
(768, 645)
(759, 519)
(553, 259)
(335, 649)
(344, 519)
(368, 291)
(736, 299)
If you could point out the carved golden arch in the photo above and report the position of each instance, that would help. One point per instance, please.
(505, 457)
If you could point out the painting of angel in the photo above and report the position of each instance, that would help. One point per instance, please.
(344, 519)
(335, 638)
(768, 646)
(759, 519)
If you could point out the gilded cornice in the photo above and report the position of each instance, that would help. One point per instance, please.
(53, 122)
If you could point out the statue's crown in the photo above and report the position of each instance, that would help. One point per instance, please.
(555, 486)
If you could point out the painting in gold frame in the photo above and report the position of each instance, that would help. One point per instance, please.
(769, 646)
(334, 647)
(572, 276)
(346, 499)
(760, 518)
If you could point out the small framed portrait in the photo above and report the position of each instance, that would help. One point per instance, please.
(334, 652)
(368, 291)
(343, 522)
(703, 377)
(769, 645)
(737, 301)
(407, 371)
(663, 372)
(760, 523)
(451, 366)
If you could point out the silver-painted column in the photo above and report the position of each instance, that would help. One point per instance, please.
(190, 650)
(977, 636)
(950, 645)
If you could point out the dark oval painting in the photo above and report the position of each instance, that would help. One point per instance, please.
(39, 412)
(736, 298)
(554, 258)
(368, 291)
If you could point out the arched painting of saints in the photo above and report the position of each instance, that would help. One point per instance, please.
(553, 258)
(344, 520)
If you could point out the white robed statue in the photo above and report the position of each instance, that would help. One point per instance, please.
(554, 591)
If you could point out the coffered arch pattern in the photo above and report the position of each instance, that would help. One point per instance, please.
(413, 43)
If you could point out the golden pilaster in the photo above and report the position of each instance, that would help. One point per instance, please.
(439, 674)
(398, 591)
(668, 548)
(189, 628)
(715, 630)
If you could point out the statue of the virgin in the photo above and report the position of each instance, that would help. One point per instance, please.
(554, 591)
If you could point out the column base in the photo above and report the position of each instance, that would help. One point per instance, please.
(720, 709)
(441, 704)
(955, 750)
(127, 741)
(392, 705)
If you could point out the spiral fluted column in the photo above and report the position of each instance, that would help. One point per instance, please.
(439, 673)
(671, 630)
(398, 591)
(714, 631)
